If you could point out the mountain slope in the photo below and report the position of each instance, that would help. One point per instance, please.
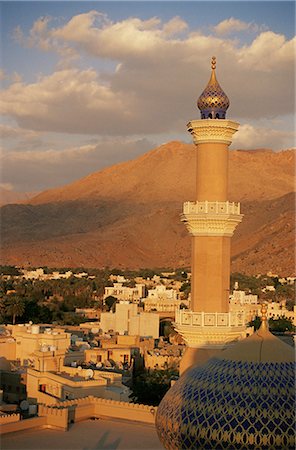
(168, 172)
(8, 197)
(128, 215)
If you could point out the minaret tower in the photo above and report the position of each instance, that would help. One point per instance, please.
(211, 220)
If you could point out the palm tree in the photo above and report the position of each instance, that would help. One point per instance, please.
(15, 306)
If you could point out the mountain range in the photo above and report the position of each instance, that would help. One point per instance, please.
(128, 215)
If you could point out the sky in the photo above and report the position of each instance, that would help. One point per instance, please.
(85, 85)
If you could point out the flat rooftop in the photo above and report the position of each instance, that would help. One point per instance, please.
(87, 435)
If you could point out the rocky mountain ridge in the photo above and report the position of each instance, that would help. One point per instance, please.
(128, 215)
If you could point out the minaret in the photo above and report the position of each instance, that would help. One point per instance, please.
(211, 221)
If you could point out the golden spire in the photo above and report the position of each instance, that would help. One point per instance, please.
(264, 321)
(213, 102)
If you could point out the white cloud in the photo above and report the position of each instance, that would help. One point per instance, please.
(267, 53)
(9, 132)
(66, 101)
(174, 26)
(6, 186)
(158, 77)
(41, 37)
(250, 137)
(232, 25)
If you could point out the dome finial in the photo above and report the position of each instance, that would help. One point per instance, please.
(213, 102)
(264, 321)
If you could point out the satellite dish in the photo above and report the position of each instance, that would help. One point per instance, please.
(99, 365)
(89, 373)
(24, 405)
(79, 368)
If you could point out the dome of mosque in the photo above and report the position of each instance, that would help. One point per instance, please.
(242, 399)
(213, 102)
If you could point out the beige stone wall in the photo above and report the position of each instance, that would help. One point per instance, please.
(7, 418)
(145, 324)
(22, 425)
(98, 407)
(48, 361)
(132, 341)
(60, 415)
(55, 417)
(8, 349)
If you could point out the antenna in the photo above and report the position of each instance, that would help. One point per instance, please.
(89, 373)
(24, 405)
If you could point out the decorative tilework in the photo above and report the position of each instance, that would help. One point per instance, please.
(230, 405)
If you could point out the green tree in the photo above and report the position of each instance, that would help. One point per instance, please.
(275, 325)
(9, 270)
(255, 323)
(280, 325)
(186, 288)
(149, 387)
(15, 307)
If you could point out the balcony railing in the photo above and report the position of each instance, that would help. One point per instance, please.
(205, 319)
(211, 207)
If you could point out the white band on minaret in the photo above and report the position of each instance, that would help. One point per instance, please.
(208, 130)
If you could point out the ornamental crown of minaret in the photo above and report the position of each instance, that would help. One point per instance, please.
(213, 102)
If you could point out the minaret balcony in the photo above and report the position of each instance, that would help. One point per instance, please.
(210, 319)
(206, 329)
(211, 207)
(211, 218)
(205, 131)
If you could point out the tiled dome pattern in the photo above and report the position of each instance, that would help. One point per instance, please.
(229, 405)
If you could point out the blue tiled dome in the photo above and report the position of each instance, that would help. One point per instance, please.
(232, 402)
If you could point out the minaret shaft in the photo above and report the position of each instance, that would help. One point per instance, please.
(210, 273)
(210, 264)
(211, 220)
(212, 172)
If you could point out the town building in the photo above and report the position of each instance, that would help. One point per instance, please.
(239, 301)
(127, 320)
(166, 357)
(30, 338)
(161, 299)
(39, 274)
(121, 357)
(125, 293)
(50, 387)
(89, 313)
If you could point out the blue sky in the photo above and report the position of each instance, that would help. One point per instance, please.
(89, 84)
